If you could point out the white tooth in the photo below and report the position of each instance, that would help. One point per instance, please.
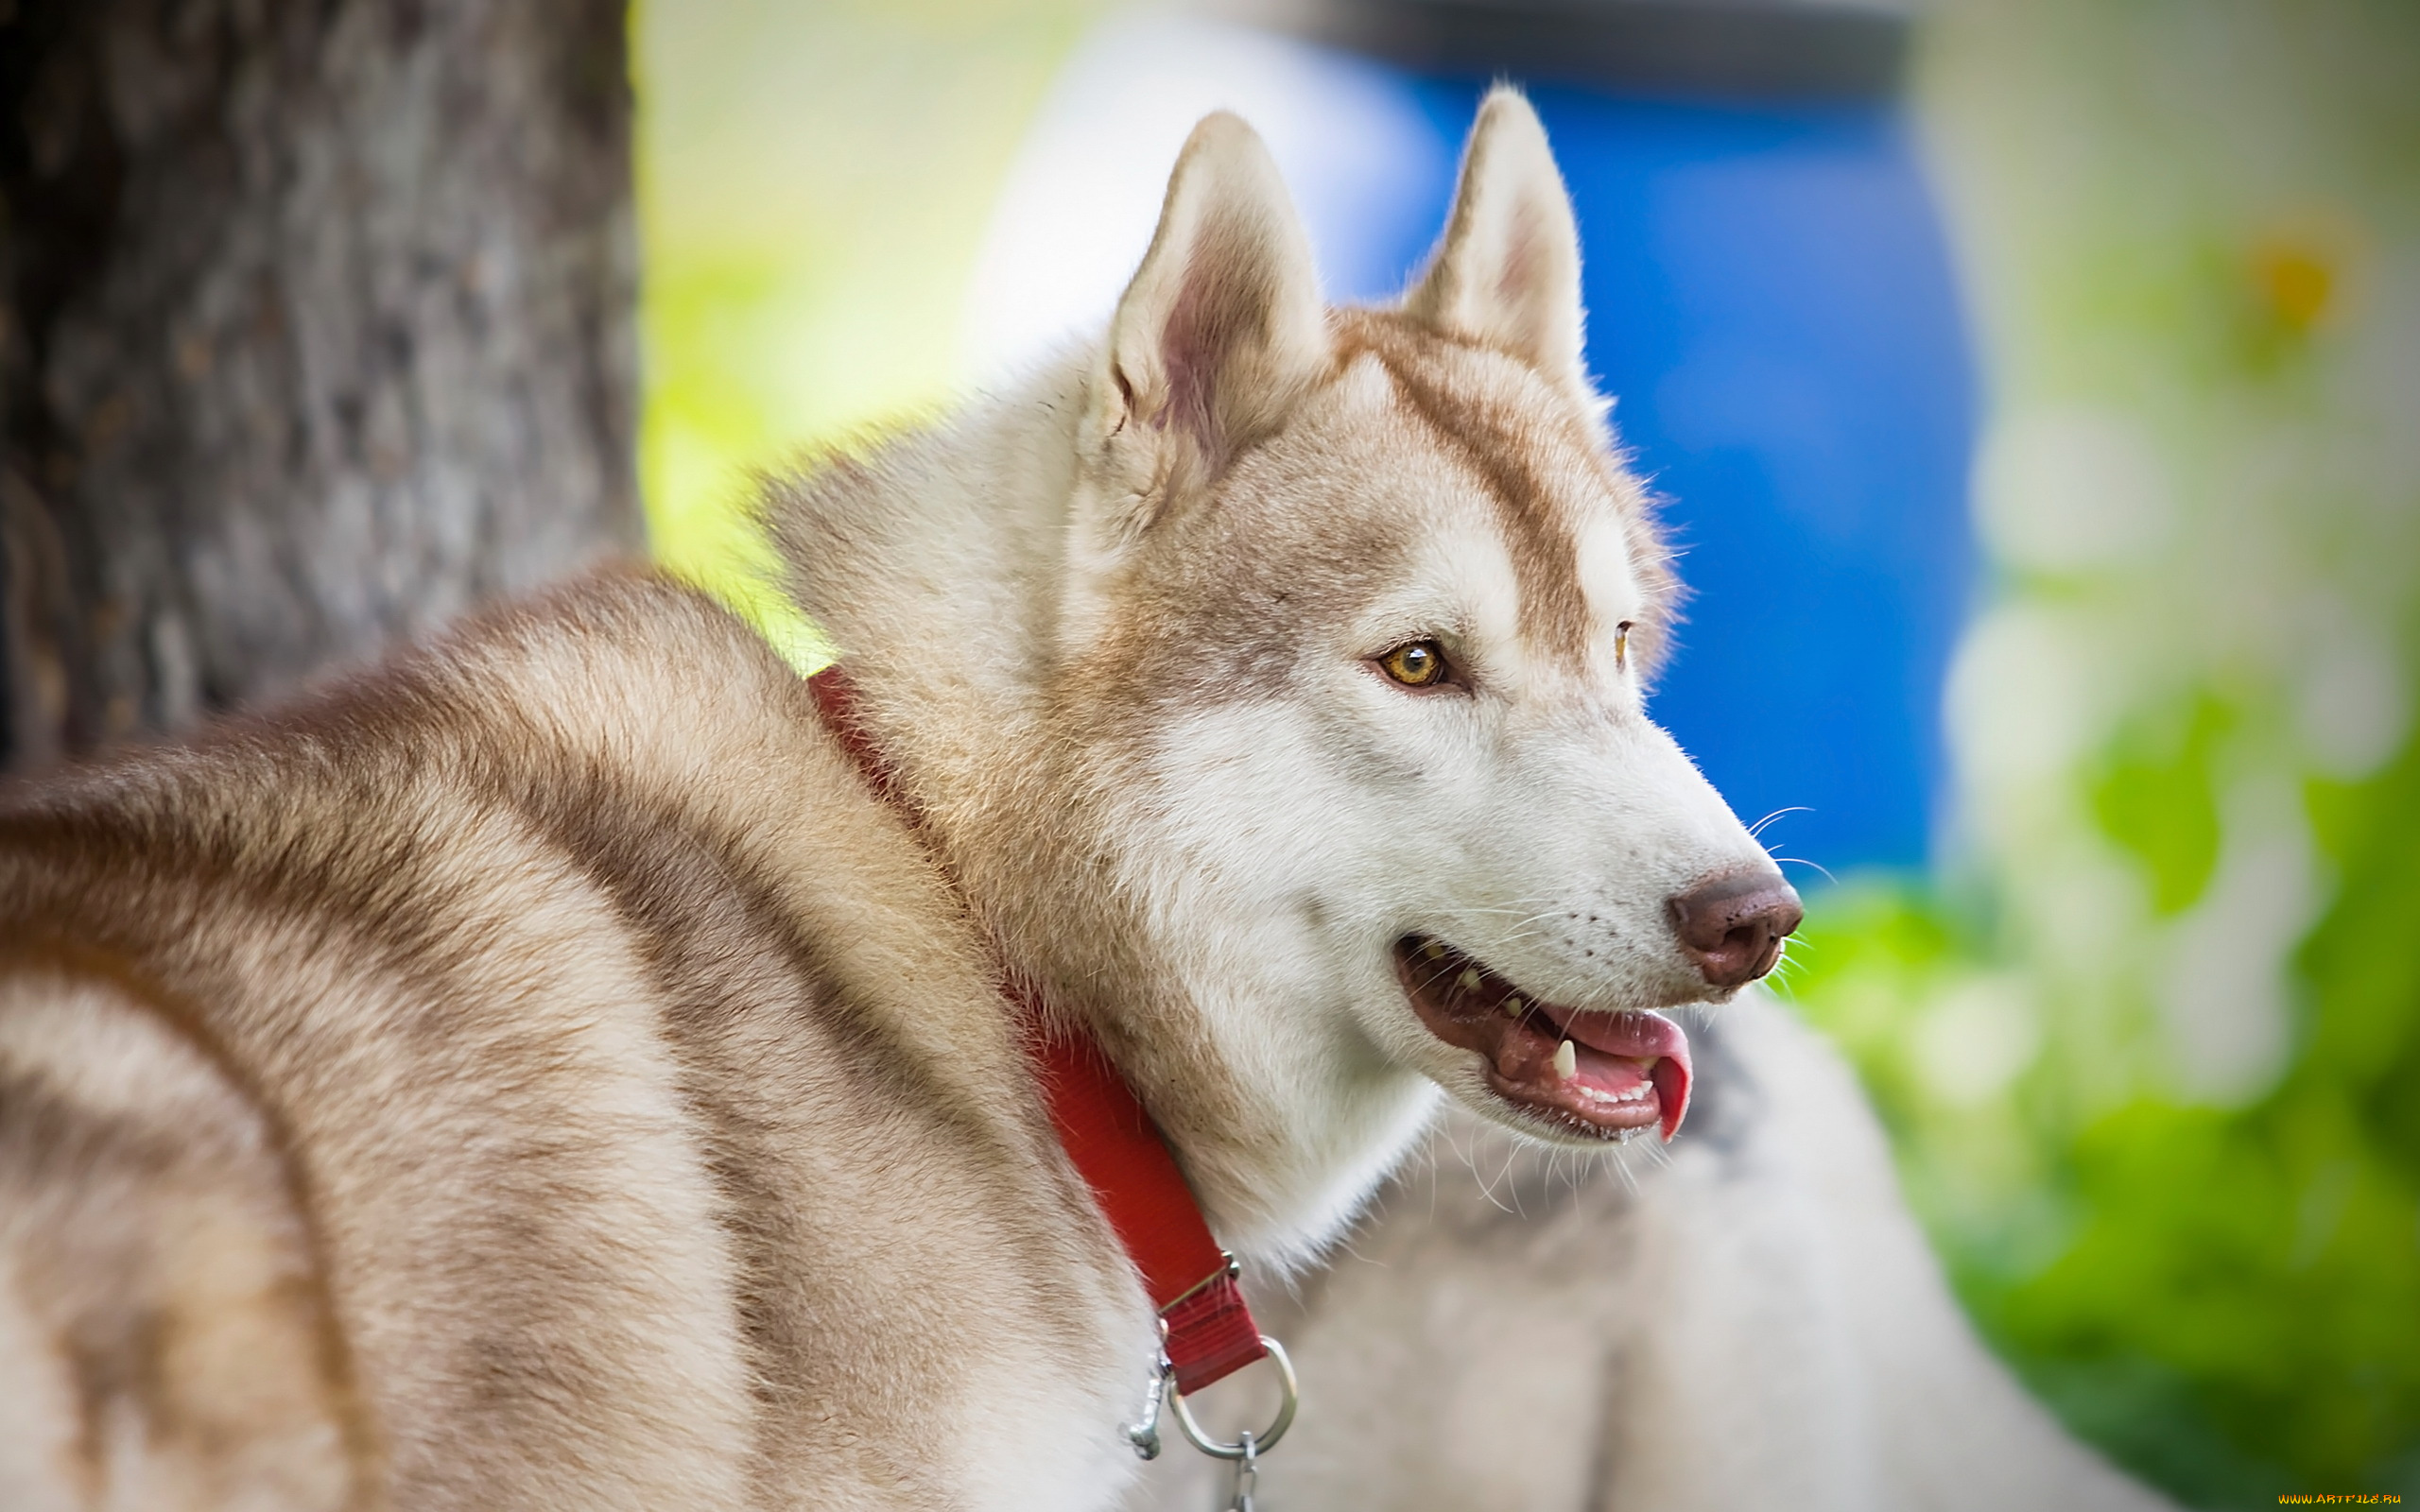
(1566, 1061)
(1470, 979)
(1512, 1007)
(1433, 951)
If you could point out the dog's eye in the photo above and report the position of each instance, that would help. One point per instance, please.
(1415, 663)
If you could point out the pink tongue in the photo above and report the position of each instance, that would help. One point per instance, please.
(1636, 1037)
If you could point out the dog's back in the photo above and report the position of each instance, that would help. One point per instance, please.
(416, 1096)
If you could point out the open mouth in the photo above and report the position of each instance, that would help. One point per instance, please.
(1603, 1075)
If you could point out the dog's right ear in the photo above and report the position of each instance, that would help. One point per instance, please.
(1222, 330)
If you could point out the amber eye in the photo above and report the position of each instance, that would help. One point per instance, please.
(1621, 646)
(1415, 663)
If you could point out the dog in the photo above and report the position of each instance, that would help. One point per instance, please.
(579, 1063)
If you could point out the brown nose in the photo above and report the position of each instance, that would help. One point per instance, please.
(1733, 926)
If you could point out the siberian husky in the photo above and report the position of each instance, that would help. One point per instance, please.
(546, 1072)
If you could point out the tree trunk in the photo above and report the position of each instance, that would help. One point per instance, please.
(315, 328)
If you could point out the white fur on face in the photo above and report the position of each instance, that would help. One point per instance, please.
(1536, 821)
(1237, 912)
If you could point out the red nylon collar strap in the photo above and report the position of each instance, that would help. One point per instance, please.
(1106, 1131)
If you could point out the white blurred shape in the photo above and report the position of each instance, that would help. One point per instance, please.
(1076, 212)
(1977, 1040)
(2226, 995)
(2353, 705)
(2069, 489)
(2022, 701)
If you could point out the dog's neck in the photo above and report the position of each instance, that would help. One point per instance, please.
(935, 564)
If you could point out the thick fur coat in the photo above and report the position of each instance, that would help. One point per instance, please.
(540, 1072)
(537, 1074)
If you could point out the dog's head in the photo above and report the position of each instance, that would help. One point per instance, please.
(1356, 624)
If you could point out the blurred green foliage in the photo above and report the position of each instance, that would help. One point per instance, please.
(2146, 1045)
(2154, 794)
(2224, 1297)
(2227, 1298)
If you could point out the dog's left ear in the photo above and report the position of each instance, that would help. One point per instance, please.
(1507, 274)
(1222, 330)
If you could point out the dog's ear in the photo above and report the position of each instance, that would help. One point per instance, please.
(1507, 274)
(1222, 330)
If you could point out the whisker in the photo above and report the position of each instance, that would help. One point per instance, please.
(1757, 829)
(1486, 1187)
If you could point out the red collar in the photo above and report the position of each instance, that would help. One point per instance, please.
(1107, 1133)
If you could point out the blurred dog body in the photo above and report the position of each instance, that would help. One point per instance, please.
(1758, 1323)
(543, 1072)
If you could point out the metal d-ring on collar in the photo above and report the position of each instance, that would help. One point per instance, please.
(1145, 1433)
(1250, 1445)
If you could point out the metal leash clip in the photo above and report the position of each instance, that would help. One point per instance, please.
(1246, 1451)
(1247, 1476)
(1144, 1433)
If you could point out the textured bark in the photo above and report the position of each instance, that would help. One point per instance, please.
(318, 328)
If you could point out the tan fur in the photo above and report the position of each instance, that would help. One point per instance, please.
(144, 1176)
(541, 1073)
(533, 1047)
(1541, 465)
